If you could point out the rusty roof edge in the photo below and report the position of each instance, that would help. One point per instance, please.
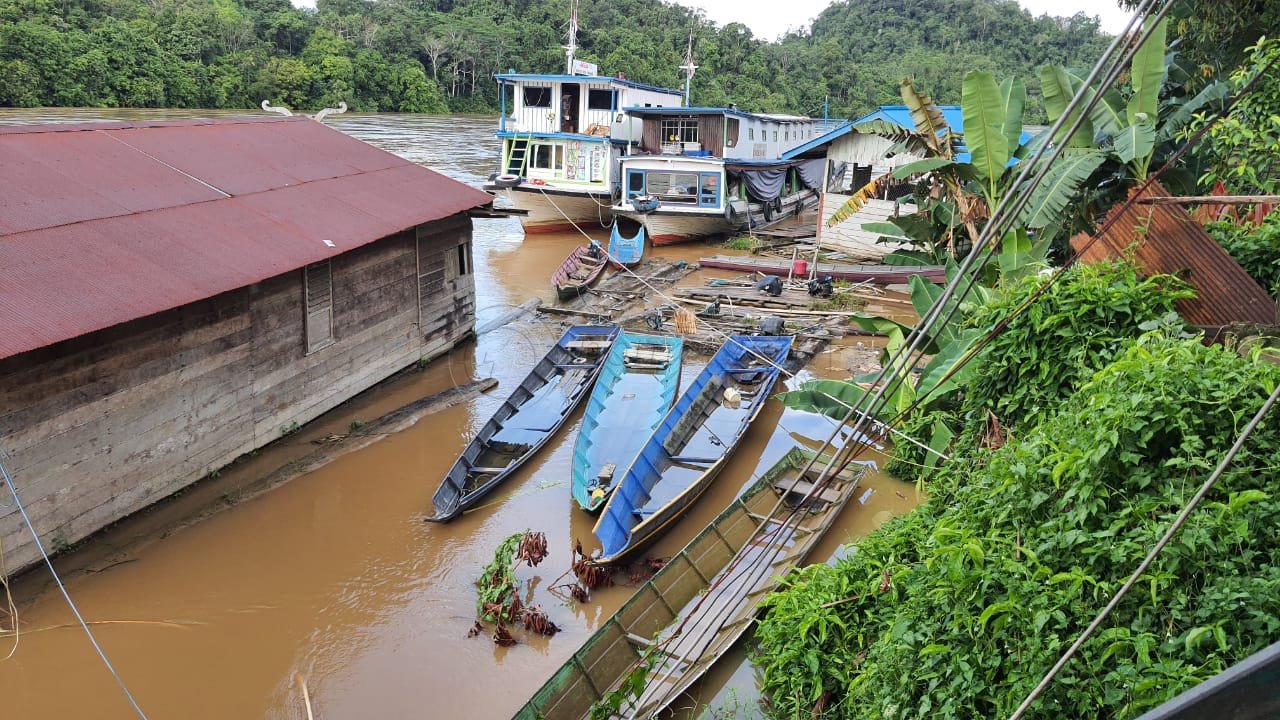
(131, 124)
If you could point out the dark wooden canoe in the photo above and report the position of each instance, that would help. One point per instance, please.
(879, 274)
(579, 271)
(527, 419)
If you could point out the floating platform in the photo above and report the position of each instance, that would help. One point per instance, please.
(878, 274)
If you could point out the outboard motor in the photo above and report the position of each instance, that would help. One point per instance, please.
(773, 325)
(769, 285)
(821, 287)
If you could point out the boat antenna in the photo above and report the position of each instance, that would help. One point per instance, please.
(572, 48)
(688, 67)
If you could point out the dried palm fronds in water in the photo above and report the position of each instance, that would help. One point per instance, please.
(533, 548)
(535, 620)
(501, 636)
(591, 575)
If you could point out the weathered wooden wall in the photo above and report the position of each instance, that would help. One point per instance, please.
(103, 425)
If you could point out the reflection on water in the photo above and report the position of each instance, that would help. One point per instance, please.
(334, 576)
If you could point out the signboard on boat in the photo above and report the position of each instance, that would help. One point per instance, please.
(582, 67)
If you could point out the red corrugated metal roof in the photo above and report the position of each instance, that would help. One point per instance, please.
(101, 223)
(1164, 239)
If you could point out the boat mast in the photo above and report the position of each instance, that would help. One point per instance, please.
(688, 67)
(572, 48)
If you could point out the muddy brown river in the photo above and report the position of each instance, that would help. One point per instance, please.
(216, 604)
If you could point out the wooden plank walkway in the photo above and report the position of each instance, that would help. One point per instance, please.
(879, 274)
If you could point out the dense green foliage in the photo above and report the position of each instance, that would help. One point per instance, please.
(1257, 249)
(957, 610)
(1241, 151)
(419, 55)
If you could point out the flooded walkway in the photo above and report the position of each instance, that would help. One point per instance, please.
(334, 576)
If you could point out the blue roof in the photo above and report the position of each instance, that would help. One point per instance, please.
(898, 115)
(512, 77)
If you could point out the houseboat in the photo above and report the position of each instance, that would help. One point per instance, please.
(562, 136)
(700, 172)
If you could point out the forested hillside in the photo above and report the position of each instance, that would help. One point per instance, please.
(439, 55)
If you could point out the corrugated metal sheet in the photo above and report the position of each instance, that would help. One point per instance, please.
(105, 223)
(1164, 239)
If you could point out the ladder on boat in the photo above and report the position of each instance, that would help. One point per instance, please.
(518, 158)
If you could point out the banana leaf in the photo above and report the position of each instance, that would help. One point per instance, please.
(922, 166)
(859, 199)
(1135, 142)
(983, 110)
(1060, 185)
(1013, 100)
(1146, 74)
(1212, 94)
(1059, 87)
(927, 117)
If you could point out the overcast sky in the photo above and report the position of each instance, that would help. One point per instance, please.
(763, 18)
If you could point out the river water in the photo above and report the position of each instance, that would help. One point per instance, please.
(216, 605)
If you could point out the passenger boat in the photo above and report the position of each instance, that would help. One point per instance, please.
(624, 250)
(701, 172)
(705, 597)
(690, 446)
(579, 270)
(561, 139)
(527, 419)
(635, 391)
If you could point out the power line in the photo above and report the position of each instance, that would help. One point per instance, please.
(13, 489)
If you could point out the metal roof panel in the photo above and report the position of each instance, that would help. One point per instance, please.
(94, 263)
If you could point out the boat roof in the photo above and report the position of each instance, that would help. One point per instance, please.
(713, 111)
(899, 115)
(537, 77)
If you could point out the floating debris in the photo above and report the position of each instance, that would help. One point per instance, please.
(533, 548)
(590, 574)
(502, 637)
(535, 620)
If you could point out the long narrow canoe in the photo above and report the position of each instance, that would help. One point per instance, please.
(626, 250)
(579, 270)
(690, 447)
(739, 555)
(527, 419)
(634, 392)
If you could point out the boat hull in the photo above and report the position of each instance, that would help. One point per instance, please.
(552, 210)
(670, 226)
(628, 402)
(526, 420)
(578, 271)
(689, 448)
(880, 274)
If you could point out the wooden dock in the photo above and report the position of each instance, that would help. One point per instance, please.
(878, 274)
(736, 297)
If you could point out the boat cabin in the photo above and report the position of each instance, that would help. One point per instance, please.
(576, 104)
(726, 133)
(558, 129)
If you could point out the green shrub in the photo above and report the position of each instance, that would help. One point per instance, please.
(1257, 249)
(958, 609)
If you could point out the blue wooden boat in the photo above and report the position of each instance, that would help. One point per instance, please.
(634, 392)
(691, 445)
(527, 419)
(626, 250)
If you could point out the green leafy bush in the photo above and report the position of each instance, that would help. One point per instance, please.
(1257, 249)
(958, 609)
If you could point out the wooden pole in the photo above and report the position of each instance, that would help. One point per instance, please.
(1210, 200)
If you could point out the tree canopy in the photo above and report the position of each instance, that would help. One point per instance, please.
(439, 55)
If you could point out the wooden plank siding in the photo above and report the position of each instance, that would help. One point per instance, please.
(102, 425)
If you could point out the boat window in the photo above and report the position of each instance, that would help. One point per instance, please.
(537, 97)
(547, 157)
(599, 99)
(751, 134)
(635, 183)
(709, 194)
(775, 136)
(681, 130)
(678, 188)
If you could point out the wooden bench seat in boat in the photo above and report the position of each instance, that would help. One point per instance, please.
(589, 344)
(803, 488)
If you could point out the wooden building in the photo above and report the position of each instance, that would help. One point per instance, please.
(176, 294)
